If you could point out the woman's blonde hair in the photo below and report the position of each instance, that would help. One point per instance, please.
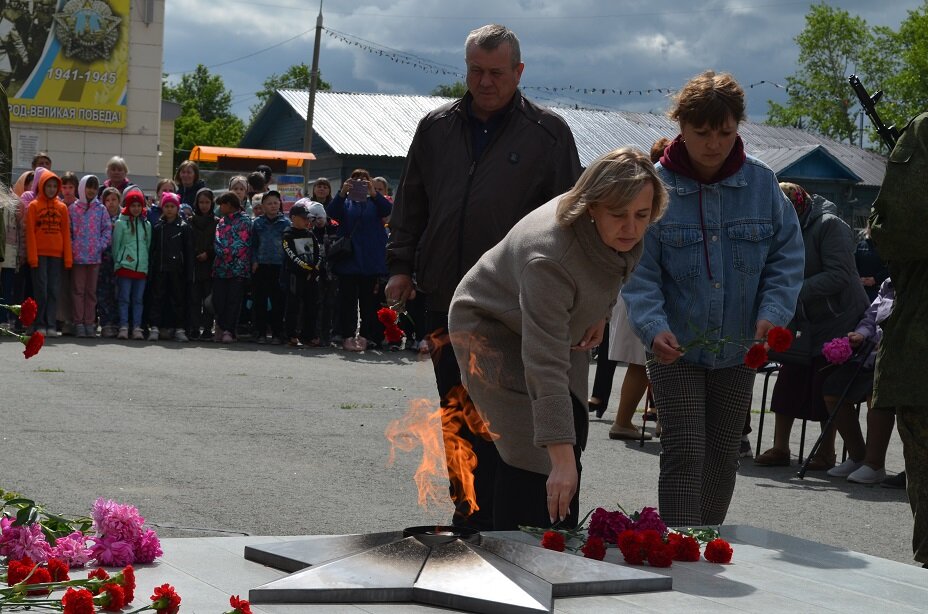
(612, 181)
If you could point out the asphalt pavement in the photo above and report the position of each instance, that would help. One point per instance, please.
(214, 440)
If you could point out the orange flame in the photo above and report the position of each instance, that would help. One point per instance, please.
(429, 427)
(421, 426)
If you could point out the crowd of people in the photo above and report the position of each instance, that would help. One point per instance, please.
(512, 262)
(103, 259)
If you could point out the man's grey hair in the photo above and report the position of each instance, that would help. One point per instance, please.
(491, 36)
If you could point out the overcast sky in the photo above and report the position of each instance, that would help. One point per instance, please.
(614, 45)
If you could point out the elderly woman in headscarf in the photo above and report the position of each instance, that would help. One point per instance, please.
(831, 302)
(523, 317)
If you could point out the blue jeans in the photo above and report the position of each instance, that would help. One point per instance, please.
(130, 291)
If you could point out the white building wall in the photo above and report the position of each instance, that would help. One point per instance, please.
(86, 150)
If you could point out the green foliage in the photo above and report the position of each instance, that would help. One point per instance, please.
(207, 117)
(297, 77)
(455, 90)
(898, 64)
(831, 46)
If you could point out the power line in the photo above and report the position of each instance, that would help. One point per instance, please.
(245, 57)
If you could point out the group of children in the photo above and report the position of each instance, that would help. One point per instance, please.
(104, 259)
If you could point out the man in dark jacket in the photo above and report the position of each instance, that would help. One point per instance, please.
(476, 166)
(900, 210)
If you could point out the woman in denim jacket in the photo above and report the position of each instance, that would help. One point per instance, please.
(724, 263)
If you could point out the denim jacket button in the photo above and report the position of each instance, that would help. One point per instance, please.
(715, 237)
(717, 285)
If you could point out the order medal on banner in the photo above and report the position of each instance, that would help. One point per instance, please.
(66, 62)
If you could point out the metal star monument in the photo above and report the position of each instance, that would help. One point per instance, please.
(440, 566)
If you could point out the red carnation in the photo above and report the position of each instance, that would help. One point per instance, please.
(25, 570)
(112, 598)
(631, 543)
(18, 570)
(28, 311)
(660, 554)
(552, 540)
(128, 583)
(594, 548)
(779, 339)
(98, 574)
(239, 606)
(718, 551)
(33, 344)
(386, 316)
(756, 356)
(58, 570)
(78, 601)
(687, 549)
(165, 600)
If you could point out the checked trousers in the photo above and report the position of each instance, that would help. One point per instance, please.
(702, 413)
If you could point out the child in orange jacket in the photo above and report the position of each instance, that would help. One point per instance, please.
(48, 248)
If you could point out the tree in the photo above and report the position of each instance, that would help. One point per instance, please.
(455, 90)
(898, 64)
(297, 77)
(831, 46)
(207, 117)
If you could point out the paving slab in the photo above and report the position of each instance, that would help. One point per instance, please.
(770, 572)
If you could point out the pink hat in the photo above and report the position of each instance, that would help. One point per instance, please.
(169, 197)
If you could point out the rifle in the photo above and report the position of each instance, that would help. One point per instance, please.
(868, 102)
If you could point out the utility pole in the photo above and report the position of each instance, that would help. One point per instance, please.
(313, 84)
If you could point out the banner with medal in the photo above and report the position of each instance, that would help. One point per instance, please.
(65, 61)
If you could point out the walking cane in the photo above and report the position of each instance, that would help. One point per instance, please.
(864, 350)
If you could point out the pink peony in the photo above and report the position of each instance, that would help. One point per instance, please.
(24, 541)
(72, 549)
(113, 552)
(148, 547)
(648, 518)
(837, 351)
(116, 520)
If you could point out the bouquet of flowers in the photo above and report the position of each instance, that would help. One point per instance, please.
(114, 535)
(778, 339)
(641, 537)
(392, 333)
(26, 312)
(838, 351)
(41, 550)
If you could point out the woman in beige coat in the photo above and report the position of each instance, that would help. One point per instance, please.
(523, 317)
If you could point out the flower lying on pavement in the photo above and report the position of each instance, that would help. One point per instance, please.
(642, 537)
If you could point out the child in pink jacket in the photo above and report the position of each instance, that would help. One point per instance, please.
(91, 233)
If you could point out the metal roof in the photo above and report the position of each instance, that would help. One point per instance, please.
(384, 124)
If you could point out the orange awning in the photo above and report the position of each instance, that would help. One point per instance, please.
(208, 153)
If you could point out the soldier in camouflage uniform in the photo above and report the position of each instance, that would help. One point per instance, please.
(899, 382)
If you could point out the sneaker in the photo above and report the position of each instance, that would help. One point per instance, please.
(896, 481)
(261, 339)
(152, 334)
(867, 475)
(227, 337)
(79, 331)
(108, 332)
(123, 332)
(217, 335)
(845, 469)
(138, 334)
(744, 448)
(180, 335)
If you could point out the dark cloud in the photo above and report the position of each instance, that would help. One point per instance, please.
(635, 45)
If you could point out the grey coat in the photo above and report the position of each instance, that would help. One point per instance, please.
(832, 298)
(515, 316)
